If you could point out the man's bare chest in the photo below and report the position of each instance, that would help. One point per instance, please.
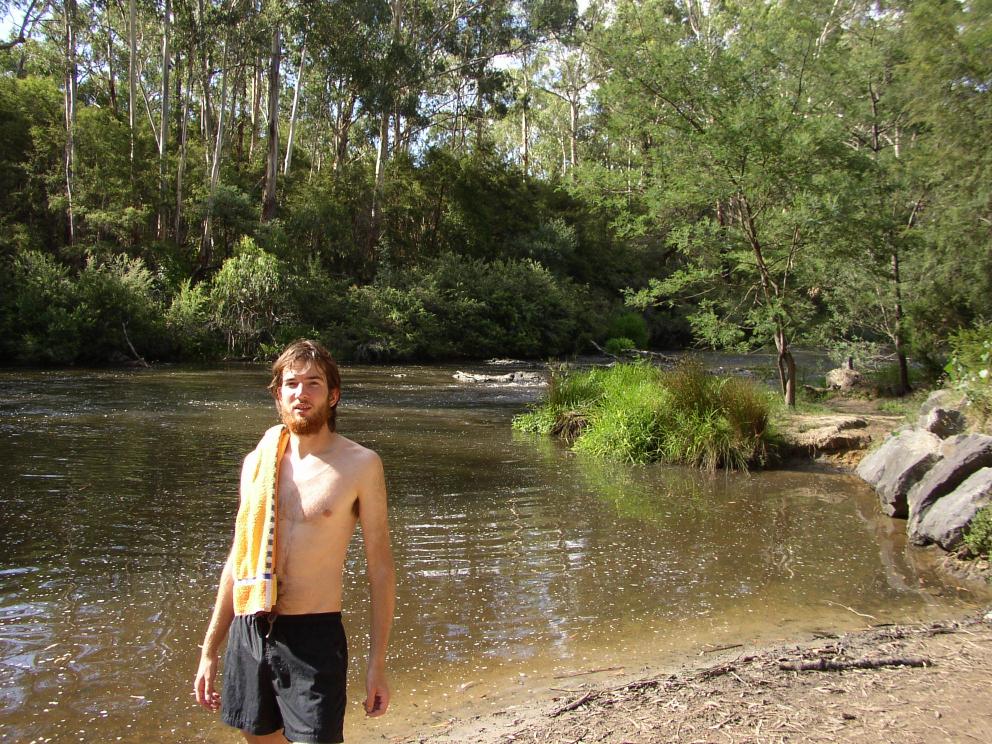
(315, 497)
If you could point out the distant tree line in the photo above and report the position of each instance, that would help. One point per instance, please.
(441, 178)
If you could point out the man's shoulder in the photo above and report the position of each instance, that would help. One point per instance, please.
(357, 453)
(273, 432)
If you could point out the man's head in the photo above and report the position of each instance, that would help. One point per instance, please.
(306, 386)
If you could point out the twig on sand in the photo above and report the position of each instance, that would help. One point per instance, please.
(589, 671)
(574, 704)
(851, 609)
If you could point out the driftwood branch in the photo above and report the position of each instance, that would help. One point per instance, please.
(830, 665)
(574, 704)
(137, 356)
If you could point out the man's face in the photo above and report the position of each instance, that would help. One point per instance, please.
(304, 400)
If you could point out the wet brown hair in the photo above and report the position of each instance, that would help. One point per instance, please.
(304, 350)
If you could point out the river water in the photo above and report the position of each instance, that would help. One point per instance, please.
(519, 564)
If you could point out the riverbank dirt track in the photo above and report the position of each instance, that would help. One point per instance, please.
(905, 684)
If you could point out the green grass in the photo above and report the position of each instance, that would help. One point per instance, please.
(638, 413)
(978, 536)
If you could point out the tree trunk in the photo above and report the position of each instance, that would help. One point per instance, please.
(132, 73)
(207, 242)
(786, 368)
(111, 72)
(256, 106)
(181, 166)
(573, 134)
(396, 6)
(345, 114)
(525, 134)
(904, 386)
(163, 139)
(71, 79)
(272, 162)
(292, 116)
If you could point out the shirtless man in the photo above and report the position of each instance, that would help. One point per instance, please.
(285, 671)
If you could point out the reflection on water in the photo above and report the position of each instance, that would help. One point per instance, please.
(117, 496)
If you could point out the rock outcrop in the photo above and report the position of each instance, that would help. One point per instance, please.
(933, 475)
(945, 522)
(963, 456)
(829, 434)
(898, 465)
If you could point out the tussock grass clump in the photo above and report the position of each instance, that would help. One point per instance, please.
(637, 413)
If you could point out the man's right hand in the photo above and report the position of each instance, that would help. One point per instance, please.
(203, 686)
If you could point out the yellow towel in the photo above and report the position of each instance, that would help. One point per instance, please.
(255, 529)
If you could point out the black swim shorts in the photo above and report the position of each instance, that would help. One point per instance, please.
(286, 672)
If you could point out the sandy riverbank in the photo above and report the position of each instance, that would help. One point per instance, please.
(901, 683)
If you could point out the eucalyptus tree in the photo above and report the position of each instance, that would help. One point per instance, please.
(874, 268)
(745, 168)
(948, 72)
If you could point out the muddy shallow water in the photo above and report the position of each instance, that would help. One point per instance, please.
(518, 562)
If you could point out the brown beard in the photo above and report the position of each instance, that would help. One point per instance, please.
(305, 426)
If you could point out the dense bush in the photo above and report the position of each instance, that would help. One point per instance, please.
(455, 306)
(189, 322)
(42, 310)
(118, 311)
(245, 297)
(639, 413)
(631, 326)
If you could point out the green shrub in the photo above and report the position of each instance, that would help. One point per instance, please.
(630, 326)
(43, 311)
(638, 413)
(245, 296)
(978, 536)
(629, 422)
(970, 368)
(617, 346)
(455, 306)
(119, 309)
(188, 322)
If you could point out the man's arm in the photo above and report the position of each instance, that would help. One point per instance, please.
(373, 515)
(220, 621)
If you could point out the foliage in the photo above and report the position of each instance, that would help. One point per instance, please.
(188, 322)
(970, 368)
(118, 310)
(456, 306)
(978, 536)
(630, 326)
(639, 413)
(618, 345)
(41, 306)
(245, 297)
(744, 174)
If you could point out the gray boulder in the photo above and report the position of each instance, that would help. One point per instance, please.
(947, 519)
(895, 467)
(944, 422)
(943, 398)
(963, 455)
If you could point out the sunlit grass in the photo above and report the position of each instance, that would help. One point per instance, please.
(638, 413)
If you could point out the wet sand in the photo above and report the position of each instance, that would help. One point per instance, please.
(901, 683)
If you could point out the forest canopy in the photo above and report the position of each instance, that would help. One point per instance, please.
(441, 178)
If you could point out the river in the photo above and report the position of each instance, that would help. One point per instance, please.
(518, 562)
